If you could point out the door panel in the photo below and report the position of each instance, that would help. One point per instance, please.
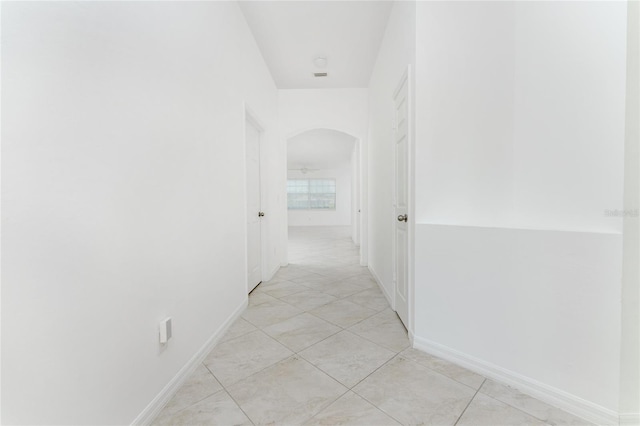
(254, 231)
(401, 148)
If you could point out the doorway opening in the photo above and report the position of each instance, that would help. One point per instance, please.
(323, 183)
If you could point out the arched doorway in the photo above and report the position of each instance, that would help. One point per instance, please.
(324, 180)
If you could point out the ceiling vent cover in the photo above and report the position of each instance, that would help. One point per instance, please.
(319, 74)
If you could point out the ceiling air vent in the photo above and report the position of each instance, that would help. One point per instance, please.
(319, 74)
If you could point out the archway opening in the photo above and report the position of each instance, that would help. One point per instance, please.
(323, 183)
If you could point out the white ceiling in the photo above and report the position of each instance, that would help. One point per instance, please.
(291, 34)
(319, 149)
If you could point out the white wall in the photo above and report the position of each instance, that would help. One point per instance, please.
(341, 216)
(569, 110)
(517, 100)
(537, 308)
(464, 88)
(519, 152)
(397, 51)
(338, 109)
(122, 179)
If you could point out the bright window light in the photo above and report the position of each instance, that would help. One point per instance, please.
(311, 194)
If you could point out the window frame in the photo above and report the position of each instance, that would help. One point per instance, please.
(309, 194)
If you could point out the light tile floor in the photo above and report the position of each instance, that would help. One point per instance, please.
(319, 345)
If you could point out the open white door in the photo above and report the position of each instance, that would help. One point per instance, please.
(254, 213)
(401, 202)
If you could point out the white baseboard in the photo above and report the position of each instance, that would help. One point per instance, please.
(272, 273)
(553, 396)
(165, 395)
(629, 419)
(382, 289)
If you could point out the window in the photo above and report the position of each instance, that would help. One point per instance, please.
(311, 194)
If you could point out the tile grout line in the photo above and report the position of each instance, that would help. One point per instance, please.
(230, 396)
(301, 358)
(469, 403)
(440, 373)
(328, 405)
(367, 376)
(371, 341)
(376, 343)
(523, 411)
(371, 402)
(322, 319)
(313, 289)
(170, 416)
(259, 371)
(319, 341)
(222, 389)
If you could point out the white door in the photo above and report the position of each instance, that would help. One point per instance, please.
(401, 148)
(254, 213)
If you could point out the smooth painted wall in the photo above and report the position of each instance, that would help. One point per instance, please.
(525, 110)
(344, 110)
(122, 179)
(542, 307)
(341, 216)
(570, 74)
(519, 154)
(464, 113)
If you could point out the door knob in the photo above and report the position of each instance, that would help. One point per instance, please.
(402, 218)
(260, 214)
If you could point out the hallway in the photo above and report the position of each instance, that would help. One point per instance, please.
(319, 344)
(486, 153)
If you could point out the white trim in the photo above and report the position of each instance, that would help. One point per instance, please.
(319, 127)
(363, 202)
(403, 78)
(157, 404)
(271, 274)
(384, 290)
(552, 396)
(252, 117)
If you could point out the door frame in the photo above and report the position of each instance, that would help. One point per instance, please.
(248, 115)
(355, 196)
(406, 76)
